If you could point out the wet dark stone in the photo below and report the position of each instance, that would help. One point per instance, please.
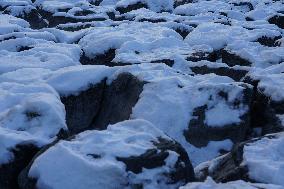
(181, 2)
(277, 20)
(23, 153)
(168, 62)
(103, 59)
(118, 100)
(153, 158)
(235, 74)
(248, 5)
(152, 20)
(232, 59)
(23, 48)
(182, 32)
(82, 108)
(264, 111)
(269, 41)
(132, 7)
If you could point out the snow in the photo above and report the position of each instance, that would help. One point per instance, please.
(43, 54)
(270, 81)
(100, 40)
(58, 164)
(28, 114)
(10, 24)
(264, 159)
(74, 79)
(239, 184)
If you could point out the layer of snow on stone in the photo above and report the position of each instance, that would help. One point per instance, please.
(28, 114)
(78, 158)
(265, 159)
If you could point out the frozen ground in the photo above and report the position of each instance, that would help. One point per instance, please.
(141, 94)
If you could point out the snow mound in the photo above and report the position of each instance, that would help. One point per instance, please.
(104, 154)
(239, 184)
(30, 114)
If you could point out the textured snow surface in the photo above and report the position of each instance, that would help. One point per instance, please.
(197, 59)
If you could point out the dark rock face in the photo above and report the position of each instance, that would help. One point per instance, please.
(183, 32)
(102, 104)
(154, 158)
(268, 41)
(35, 19)
(81, 109)
(227, 57)
(152, 20)
(181, 2)
(104, 59)
(199, 55)
(179, 172)
(264, 111)
(235, 74)
(9, 172)
(132, 7)
(246, 5)
(119, 98)
(200, 134)
(168, 62)
(277, 20)
(232, 59)
(228, 167)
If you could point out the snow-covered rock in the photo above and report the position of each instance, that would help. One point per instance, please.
(257, 160)
(126, 155)
(31, 116)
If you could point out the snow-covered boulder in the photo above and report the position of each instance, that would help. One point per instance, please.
(125, 39)
(192, 111)
(31, 116)
(257, 160)
(129, 154)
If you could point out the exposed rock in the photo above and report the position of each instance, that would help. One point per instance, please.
(264, 111)
(102, 104)
(269, 41)
(247, 5)
(81, 109)
(232, 59)
(131, 7)
(119, 98)
(104, 59)
(277, 20)
(9, 172)
(181, 2)
(235, 74)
